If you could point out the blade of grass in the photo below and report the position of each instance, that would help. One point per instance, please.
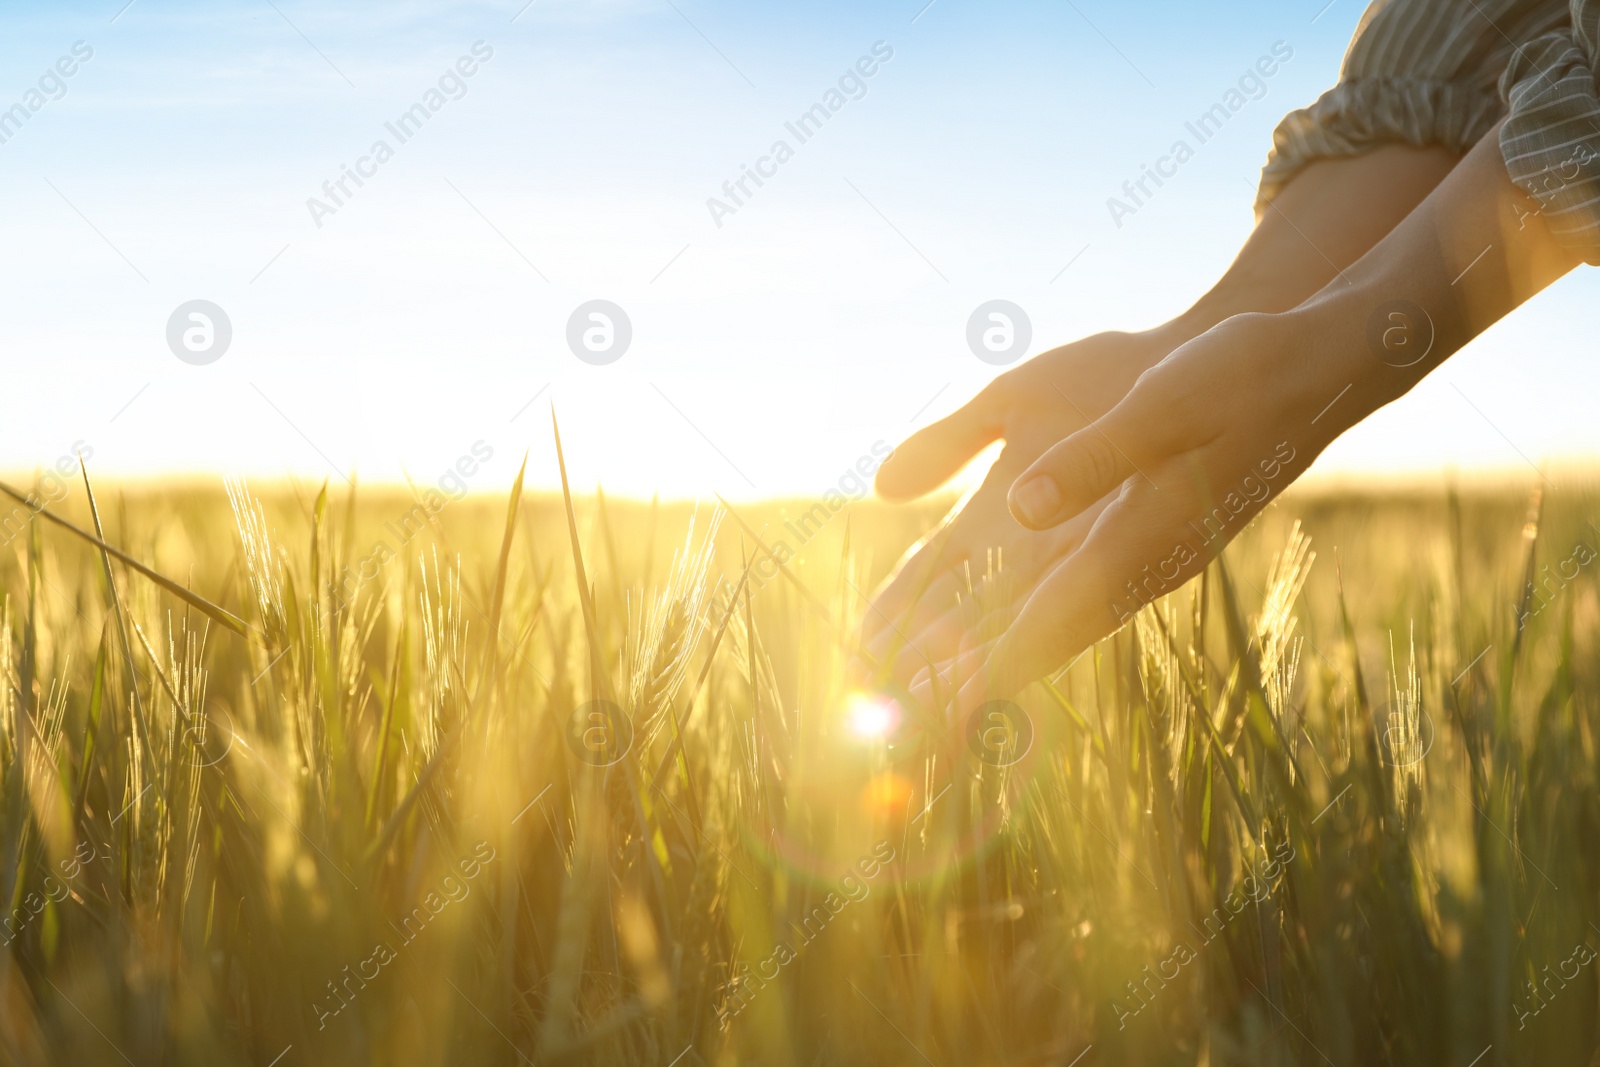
(387, 724)
(600, 682)
(397, 818)
(497, 597)
(497, 601)
(91, 729)
(705, 669)
(221, 615)
(141, 722)
(846, 643)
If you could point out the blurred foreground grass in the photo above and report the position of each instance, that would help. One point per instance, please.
(1349, 823)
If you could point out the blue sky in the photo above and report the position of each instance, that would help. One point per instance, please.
(768, 355)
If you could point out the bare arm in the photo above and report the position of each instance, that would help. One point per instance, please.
(1321, 223)
(1206, 438)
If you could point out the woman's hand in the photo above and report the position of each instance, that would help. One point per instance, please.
(1321, 222)
(1208, 436)
(1189, 456)
(948, 582)
(1196, 448)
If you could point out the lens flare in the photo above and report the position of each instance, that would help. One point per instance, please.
(887, 795)
(871, 717)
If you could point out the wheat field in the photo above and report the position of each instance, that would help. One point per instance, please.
(336, 775)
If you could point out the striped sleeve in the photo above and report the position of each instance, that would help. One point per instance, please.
(1551, 139)
(1419, 72)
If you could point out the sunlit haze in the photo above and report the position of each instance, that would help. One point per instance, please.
(777, 340)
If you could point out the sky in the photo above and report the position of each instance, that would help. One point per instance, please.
(393, 327)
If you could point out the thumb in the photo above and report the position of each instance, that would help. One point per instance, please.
(1128, 440)
(932, 455)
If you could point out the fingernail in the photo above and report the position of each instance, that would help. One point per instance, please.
(1036, 500)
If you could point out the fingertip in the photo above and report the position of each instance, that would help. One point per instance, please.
(909, 472)
(922, 578)
(861, 668)
(921, 688)
(932, 456)
(1069, 478)
(910, 662)
(891, 482)
(876, 639)
(1010, 667)
(1035, 501)
(974, 692)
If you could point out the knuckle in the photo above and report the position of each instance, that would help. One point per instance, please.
(1176, 402)
(1001, 386)
(1036, 638)
(995, 397)
(1160, 387)
(1095, 464)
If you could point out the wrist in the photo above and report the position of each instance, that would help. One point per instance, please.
(1361, 350)
(1233, 295)
(1198, 318)
(1182, 328)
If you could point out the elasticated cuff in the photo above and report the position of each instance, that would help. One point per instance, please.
(1359, 115)
(1551, 141)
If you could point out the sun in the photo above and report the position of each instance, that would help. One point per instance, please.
(871, 717)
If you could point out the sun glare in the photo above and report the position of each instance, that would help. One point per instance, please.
(871, 717)
(886, 796)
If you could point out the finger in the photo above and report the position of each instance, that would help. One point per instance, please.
(954, 607)
(925, 572)
(931, 456)
(897, 634)
(939, 640)
(934, 615)
(975, 615)
(1142, 548)
(935, 686)
(970, 596)
(1137, 434)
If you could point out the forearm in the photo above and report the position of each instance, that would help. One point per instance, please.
(1323, 221)
(1471, 252)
